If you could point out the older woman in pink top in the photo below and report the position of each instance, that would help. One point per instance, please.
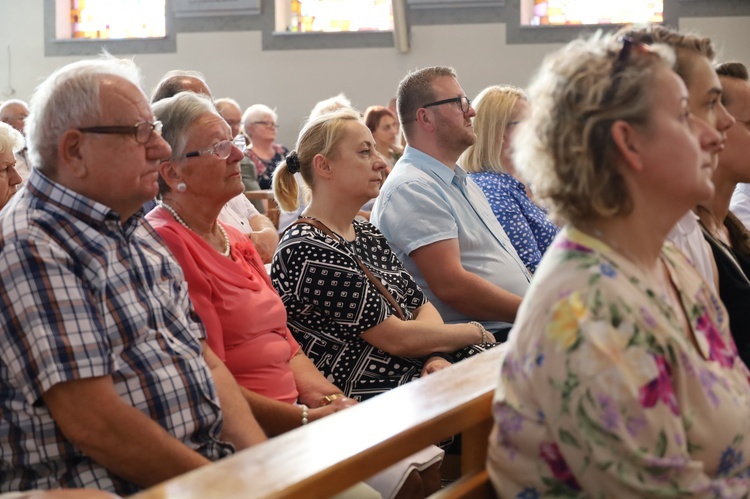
(228, 285)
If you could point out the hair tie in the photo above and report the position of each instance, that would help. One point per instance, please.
(292, 162)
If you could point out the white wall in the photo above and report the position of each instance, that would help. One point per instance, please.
(292, 81)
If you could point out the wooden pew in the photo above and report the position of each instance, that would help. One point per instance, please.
(332, 454)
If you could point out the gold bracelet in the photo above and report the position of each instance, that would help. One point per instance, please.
(328, 399)
(482, 330)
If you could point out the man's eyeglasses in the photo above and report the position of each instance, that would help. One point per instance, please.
(628, 45)
(222, 150)
(141, 131)
(463, 102)
(267, 124)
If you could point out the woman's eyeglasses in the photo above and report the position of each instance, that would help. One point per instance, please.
(141, 131)
(267, 124)
(628, 46)
(222, 150)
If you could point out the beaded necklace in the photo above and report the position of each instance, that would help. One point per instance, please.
(227, 248)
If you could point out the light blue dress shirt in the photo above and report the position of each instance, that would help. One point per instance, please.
(423, 202)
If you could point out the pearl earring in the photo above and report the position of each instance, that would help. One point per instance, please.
(181, 187)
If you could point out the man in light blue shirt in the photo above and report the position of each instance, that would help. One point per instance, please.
(437, 220)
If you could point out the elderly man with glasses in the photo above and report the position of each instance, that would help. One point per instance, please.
(107, 380)
(437, 220)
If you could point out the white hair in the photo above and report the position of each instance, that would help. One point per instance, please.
(329, 105)
(256, 112)
(10, 138)
(69, 98)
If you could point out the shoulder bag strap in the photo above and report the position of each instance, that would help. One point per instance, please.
(383, 290)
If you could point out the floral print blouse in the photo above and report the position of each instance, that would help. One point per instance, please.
(603, 394)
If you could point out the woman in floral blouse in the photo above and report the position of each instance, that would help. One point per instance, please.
(621, 378)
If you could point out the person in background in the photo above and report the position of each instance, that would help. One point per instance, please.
(107, 380)
(725, 233)
(736, 96)
(180, 80)
(11, 141)
(694, 57)
(489, 162)
(230, 110)
(385, 130)
(621, 378)
(740, 204)
(329, 105)
(694, 64)
(325, 106)
(239, 212)
(439, 224)
(260, 123)
(14, 112)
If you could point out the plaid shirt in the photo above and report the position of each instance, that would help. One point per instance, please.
(84, 295)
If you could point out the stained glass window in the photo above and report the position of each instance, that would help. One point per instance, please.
(335, 15)
(571, 12)
(116, 19)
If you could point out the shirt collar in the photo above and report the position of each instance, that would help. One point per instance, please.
(47, 191)
(428, 164)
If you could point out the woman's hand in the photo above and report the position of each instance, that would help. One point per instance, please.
(434, 364)
(337, 405)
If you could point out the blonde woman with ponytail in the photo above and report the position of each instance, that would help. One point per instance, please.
(349, 300)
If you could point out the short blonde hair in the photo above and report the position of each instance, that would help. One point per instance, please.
(565, 149)
(321, 135)
(494, 108)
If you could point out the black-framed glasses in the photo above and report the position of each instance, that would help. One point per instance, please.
(463, 102)
(267, 124)
(141, 130)
(628, 45)
(222, 150)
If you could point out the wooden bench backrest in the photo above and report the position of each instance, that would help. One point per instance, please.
(328, 456)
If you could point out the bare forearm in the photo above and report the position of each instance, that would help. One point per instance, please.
(240, 427)
(136, 448)
(311, 384)
(477, 298)
(116, 435)
(261, 222)
(274, 417)
(427, 313)
(417, 338)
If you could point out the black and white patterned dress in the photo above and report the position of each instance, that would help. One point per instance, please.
(330, 302)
